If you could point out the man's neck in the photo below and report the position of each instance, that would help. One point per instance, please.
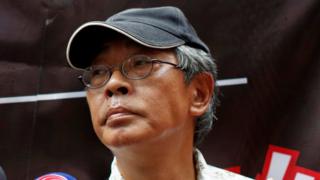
(157, 162)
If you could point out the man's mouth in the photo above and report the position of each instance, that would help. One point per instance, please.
(117, 116)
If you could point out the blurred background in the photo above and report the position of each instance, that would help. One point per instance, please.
(275, 44)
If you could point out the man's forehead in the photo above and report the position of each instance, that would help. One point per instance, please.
(114, 45)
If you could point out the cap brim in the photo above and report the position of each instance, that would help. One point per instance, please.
(86, 40)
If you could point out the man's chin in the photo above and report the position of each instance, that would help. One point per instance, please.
(126, 135)
(123, 140)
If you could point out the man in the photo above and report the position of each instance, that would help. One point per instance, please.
(151, 91)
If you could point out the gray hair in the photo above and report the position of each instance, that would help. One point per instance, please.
(194, 61)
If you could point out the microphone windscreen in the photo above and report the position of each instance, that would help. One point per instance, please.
(56, 176)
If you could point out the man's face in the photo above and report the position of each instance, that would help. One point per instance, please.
(127, 112)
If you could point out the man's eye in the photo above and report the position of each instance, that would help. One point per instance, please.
(140, 63)
(97, 77)
(98, 72)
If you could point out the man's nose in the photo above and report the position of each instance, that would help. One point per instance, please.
(117, 85)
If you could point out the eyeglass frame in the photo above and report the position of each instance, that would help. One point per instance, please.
(110, 70)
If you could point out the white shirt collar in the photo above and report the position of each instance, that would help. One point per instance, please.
(204, 171)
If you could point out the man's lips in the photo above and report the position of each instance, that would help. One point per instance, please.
(114, 114)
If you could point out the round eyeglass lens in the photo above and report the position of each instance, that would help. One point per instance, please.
(96, 76)
(137, 67)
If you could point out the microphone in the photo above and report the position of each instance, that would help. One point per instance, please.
(2, 174)
(56, 176)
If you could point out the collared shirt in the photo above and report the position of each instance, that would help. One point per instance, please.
(204, 171)
(208, 172)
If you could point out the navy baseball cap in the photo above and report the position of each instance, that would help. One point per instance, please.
(159, 28)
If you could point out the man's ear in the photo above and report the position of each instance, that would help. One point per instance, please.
(202, 86)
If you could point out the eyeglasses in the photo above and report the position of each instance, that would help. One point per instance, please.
(136, 67)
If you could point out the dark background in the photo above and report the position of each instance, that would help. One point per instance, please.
(274, 43)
